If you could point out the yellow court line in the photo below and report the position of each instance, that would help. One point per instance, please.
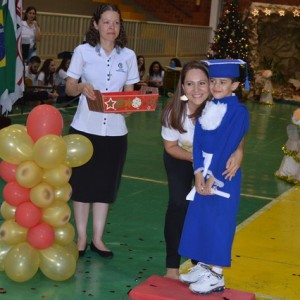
(282, 197)
(265, 255)
(27, 113)
(145, 179)
(165, 183)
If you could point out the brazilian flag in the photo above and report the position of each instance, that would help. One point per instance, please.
(8, 48)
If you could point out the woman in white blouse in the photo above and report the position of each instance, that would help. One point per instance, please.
(104, 64)
(31, 33)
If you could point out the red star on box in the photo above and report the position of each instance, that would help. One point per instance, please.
(110, 104)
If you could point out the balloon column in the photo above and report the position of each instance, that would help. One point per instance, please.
(36, 166)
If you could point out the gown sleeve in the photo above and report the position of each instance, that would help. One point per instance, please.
(212, 153)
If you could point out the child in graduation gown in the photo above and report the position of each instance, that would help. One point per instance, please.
(210, 222)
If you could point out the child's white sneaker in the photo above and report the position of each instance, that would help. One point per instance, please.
(194, 273)
(210, 282)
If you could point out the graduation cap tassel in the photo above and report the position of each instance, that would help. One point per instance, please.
(247, 84)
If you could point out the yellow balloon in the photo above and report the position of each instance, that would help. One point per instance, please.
(12, 233)
(57, 214)
(57, 263)
(42, 195)
(4, 248)
(15, 145)
(58, 176)
(49, 151)
(63, 193)
(29, 174)
(64, 234)
(22, 262)
(7, 211)
(79, 150)
(72, 248)
(19, 127)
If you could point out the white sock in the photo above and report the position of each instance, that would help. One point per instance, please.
(217, 270)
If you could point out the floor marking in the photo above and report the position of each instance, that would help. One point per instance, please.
(267, 297)
(257, 197)
(145, 179)
(262, 210)
(27, 113)
(165, 183)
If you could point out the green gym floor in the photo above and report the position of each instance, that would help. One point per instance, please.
(134, 228)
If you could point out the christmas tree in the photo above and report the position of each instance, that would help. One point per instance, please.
(231, 39)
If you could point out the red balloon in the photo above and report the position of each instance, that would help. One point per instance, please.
(8, 171)
(15, 194)
(41, 236)
(43, 120)
(28, 215)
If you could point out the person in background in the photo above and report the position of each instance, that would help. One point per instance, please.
(103, 63)
(210, 222)
(178, 124)
(175, 63)
(32, 95)
(142, 69)
(31, 34)
(61, 78)
(31, 70)
(156, 75)
(141, 66)
(46, 79)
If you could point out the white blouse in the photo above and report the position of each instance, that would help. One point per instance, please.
(185, 140)
(106, 74)
(60, 78)
(28, 34)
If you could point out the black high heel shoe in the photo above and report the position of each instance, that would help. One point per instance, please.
(82, 252)
(105, 254)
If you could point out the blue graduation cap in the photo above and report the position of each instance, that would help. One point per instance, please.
(226, 68)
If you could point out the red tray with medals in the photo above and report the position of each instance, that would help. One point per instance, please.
(121, 102)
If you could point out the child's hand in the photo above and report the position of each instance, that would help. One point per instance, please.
(208, 185)
(199, 183)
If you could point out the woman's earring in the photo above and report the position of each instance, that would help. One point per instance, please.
(184, 98)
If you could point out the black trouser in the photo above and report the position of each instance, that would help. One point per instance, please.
(180, 179)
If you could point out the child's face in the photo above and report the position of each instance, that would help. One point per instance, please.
(222, 87)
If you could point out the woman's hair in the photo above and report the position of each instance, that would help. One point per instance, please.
(175, 111)
(28, 9)
(151, 73)
(63, 65)
(176, 61)
(93, 36)
(46, 70)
